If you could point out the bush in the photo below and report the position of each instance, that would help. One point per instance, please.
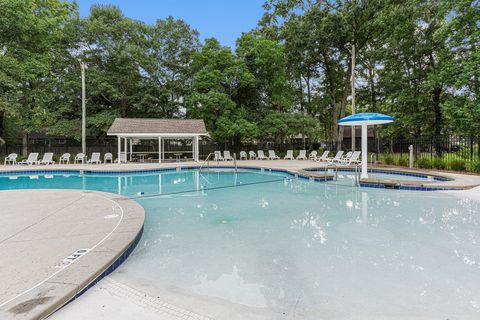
(439, 163)
(424, 163)
(458, 165)
(402, 161)
(388, 159)
(475, 166)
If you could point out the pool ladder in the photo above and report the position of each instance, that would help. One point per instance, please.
(334, 167)
(235, 162)
(206, 161)
(357, 175)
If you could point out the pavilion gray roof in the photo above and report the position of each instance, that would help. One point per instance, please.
(157, 126)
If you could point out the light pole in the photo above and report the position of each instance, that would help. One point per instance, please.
(353, 94)
(84, 109)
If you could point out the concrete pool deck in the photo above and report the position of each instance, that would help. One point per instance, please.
(55, 243)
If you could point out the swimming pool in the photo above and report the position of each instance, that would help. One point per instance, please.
(261, 245)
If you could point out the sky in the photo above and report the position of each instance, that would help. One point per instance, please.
(222, 19)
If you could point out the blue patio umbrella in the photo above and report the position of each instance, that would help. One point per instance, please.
(364, 120)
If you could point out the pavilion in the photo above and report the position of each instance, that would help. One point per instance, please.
(132, 130)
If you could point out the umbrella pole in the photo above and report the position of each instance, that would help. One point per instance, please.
(364, 174)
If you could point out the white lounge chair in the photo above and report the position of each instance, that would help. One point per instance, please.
(243, 155)
(261, 155)
(313, 155)
(10, 159)
(302, 155)
(95, 158)
(323, 157)
(354, 158)
(337, 157)
(65, 158)
(289, 155)
(272, 155)
(108, 157)
(252, 155)
(47, 159)
(346, 157)
(32, 159)
(218, 156)
(227, 156)
(80, 157)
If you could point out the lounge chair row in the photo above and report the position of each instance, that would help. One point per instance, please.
(350, 157)
(64, 158)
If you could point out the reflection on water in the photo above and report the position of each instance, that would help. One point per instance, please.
(220, 245)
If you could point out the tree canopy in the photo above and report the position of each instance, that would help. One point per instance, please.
(290, 76)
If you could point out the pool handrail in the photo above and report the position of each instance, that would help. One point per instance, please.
(206, 161)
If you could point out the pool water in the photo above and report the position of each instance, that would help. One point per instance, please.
(261, 245)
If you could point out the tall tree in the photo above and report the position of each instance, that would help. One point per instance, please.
(218, 80)
(30, 34)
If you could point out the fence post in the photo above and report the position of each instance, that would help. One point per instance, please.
(410, 164)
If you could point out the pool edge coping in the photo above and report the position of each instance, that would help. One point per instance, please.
(135, 211)
(303, 172)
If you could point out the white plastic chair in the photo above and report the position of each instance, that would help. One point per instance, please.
(354, 158)
(80, 157)
(10, 159)
(32, 159)
(337, 157)
(65, 158)
(95, 158)
(323, 157)
(272, 155)
(47, 159)
(227, 156)
(261, 155)
(243, 155)
(253, 155)
(108, 157)
(313, 155)
(346, 157)
(218, 156)
(289, 155)
(302, 155)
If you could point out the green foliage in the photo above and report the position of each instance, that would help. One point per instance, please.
(387, 159)
(457, 165)
(289, 77)
(424, 163)
(475, 166)
(439, 163)
(402, 161)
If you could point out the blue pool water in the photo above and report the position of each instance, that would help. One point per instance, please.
(265, 245)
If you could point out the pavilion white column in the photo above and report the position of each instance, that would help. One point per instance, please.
(160, 151)
(163, 149)
(196, 148)
(364, 174)
(130, 149)
(193, 149)
(125, 150)
(119, 148)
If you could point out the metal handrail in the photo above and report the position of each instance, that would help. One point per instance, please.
(357, 175)
(336, 170)
(206, 161)
(235, 161)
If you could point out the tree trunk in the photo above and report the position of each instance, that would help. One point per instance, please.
(343, 107)
(437, 92)
(25, 144)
